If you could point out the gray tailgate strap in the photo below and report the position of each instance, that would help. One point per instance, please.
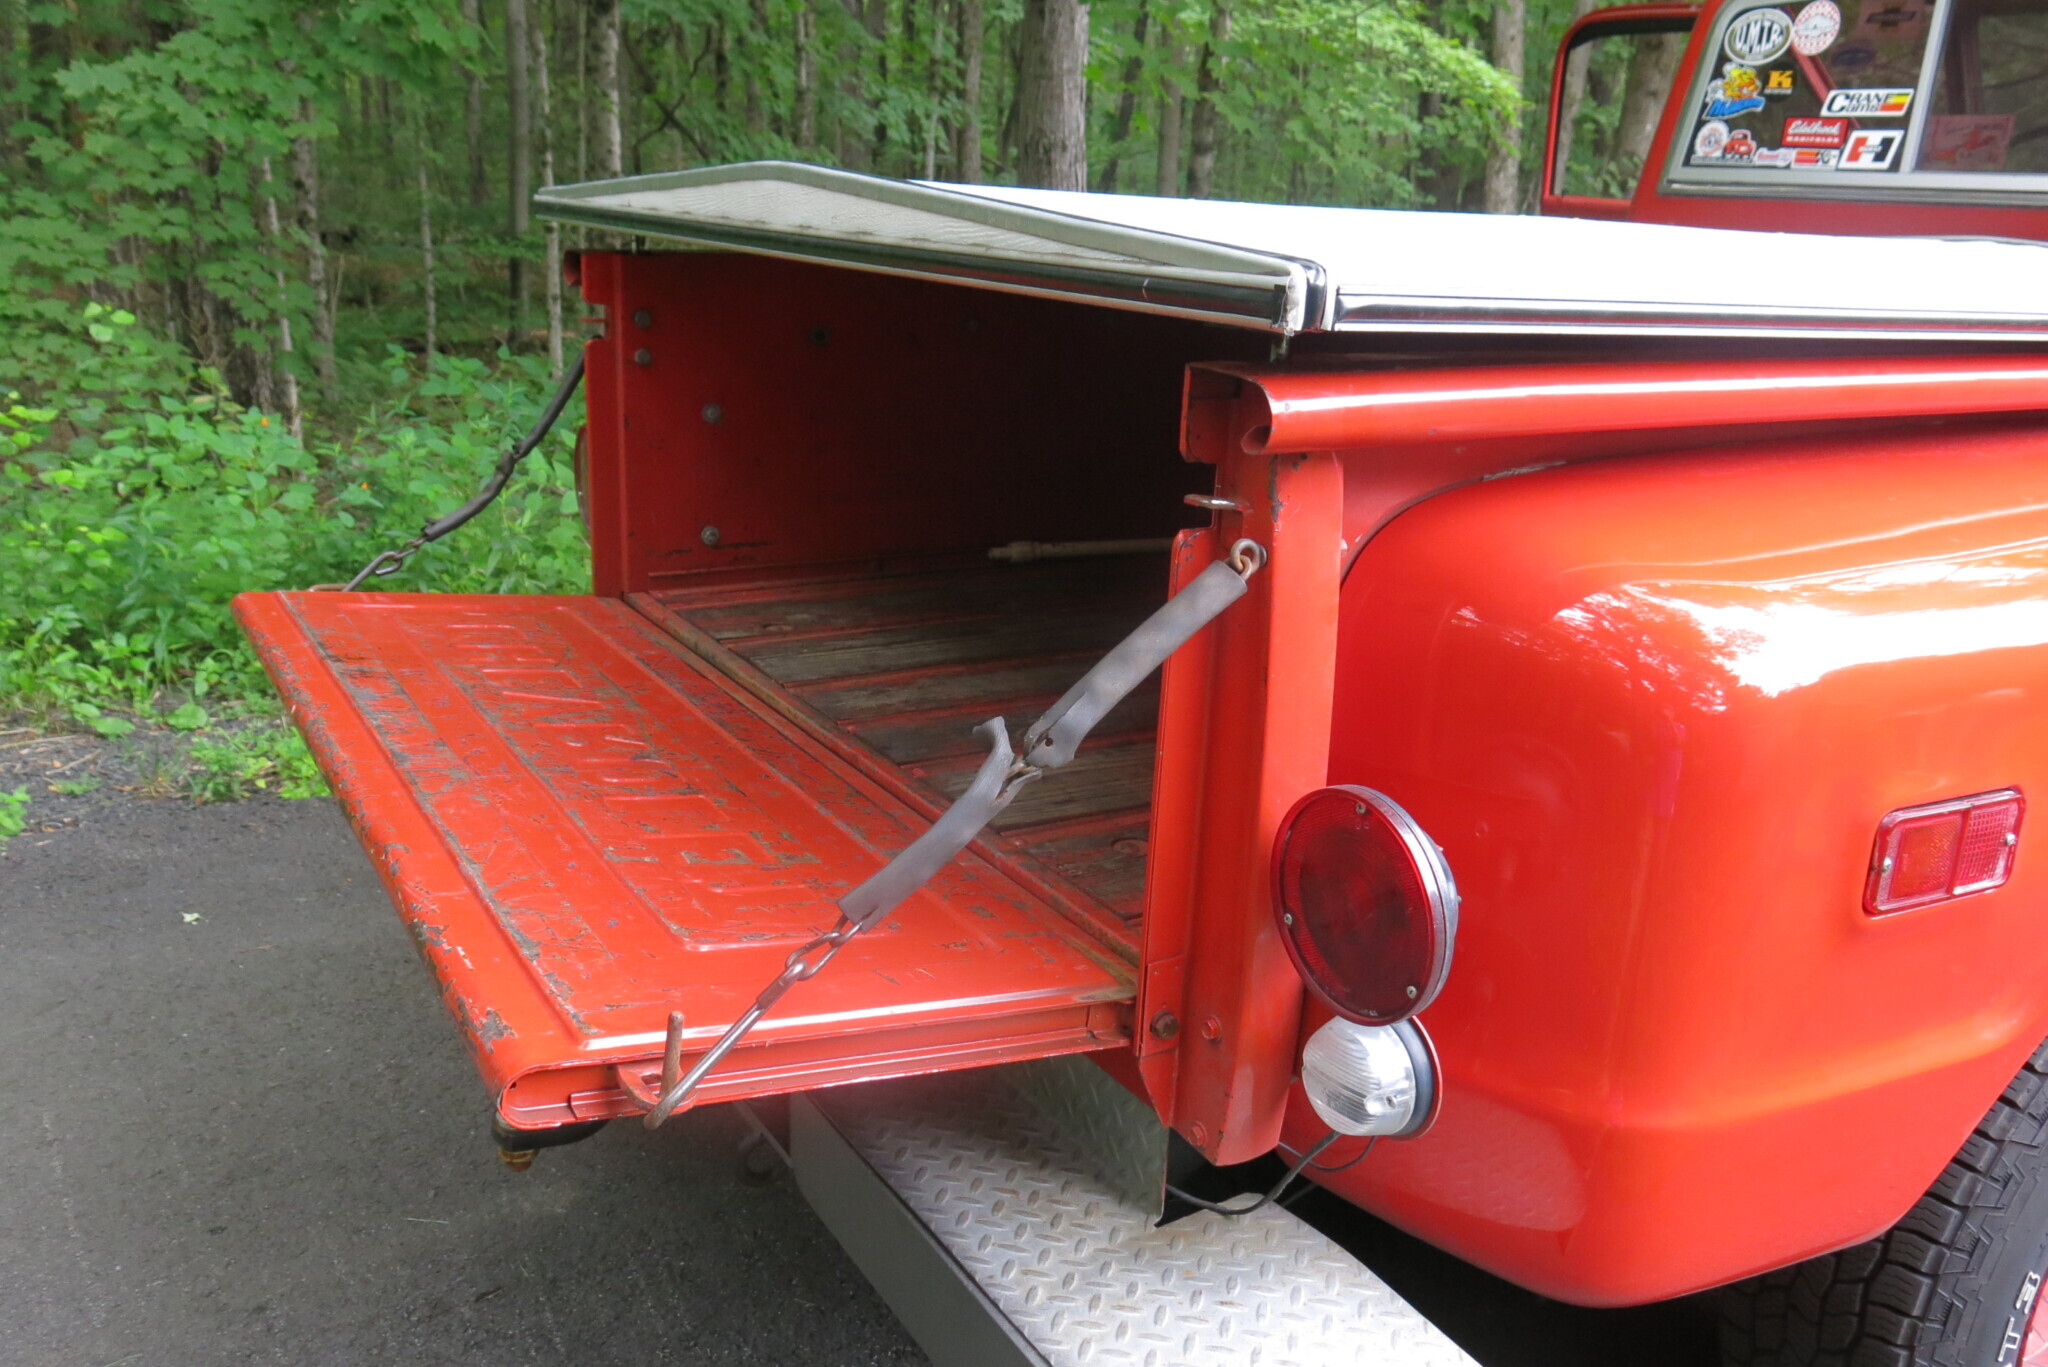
(1049, 744)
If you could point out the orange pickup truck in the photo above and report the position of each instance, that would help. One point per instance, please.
(1581, 815)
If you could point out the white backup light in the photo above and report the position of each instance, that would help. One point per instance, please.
(1371, 1079)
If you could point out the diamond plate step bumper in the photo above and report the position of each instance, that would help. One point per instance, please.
(1001, 1214)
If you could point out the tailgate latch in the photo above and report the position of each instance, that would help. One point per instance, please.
(1050, 742)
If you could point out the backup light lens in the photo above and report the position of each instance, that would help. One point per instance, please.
(1366, 904)
(1371, 1079)
(1944, 850)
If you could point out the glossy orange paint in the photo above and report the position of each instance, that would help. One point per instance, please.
(1654, 710)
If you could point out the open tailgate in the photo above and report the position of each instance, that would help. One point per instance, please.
(586, 827)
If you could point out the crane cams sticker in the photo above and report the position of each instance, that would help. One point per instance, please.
(1877, 102)
(1758, 37)
(1739, 91)
(1815, 29)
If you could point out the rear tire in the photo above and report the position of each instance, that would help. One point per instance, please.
(1956, 1283)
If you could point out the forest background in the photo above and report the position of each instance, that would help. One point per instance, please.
(271, 296)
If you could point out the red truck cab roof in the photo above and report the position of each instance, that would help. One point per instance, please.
(1860, 117)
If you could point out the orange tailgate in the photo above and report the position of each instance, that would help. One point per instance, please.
(586, 827)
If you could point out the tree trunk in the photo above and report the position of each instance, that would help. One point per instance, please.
(306, 172)
(1052, 92)
(755, 120)
(1566, 115)
(427, 254)
(1126, 102)
(967, 154)
(473, 108)
(275, 233)
(1166, 179)
(519, 156)
(611, 140)
(1650, 70)
(1504, 160)
(1206, 127)
(806, 131)
(543, 108)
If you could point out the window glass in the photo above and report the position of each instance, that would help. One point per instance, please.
(1616, 84)
(1825, 85)
(1990, 106)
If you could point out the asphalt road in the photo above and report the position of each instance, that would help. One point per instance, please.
(241, 1131)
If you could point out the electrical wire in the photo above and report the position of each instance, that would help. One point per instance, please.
(1271, 1196)
(1348, 1163)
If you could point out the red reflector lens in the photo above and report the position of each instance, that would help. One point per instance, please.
(1944, 850)
(1365, 902)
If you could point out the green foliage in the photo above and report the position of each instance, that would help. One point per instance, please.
(13, 814)
(129, 523)
(237, 764)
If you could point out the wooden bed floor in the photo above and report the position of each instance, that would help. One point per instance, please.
(908, 666)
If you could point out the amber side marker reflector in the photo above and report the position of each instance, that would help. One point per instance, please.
(1365, 902)
(1943, 850)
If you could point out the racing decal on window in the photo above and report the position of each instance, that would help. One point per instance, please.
(1878, 102)
(1817, 26)
(1814, 133)
(1758, 37)
(1739, 91)
(1780, 83)
(1966, 142)
(1872, 149)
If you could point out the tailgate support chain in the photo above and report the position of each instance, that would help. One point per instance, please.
(1050, 743)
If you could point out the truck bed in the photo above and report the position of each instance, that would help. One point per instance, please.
(898, 670)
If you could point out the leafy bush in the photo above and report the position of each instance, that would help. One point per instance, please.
(129, 520)
(237, 764)
(13, 814)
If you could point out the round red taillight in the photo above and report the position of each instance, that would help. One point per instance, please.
(1365, 903)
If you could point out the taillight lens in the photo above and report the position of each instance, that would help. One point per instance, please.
(1365, 902)
(1943, 850)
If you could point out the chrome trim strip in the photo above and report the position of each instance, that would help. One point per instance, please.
(1415, 313)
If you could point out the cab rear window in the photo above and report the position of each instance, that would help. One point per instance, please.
(1849, 95)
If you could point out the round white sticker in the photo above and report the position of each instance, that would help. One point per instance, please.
(1707, 144)
(1816, 28)
(1759, 36)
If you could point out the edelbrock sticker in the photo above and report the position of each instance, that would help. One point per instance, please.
(1815, 29)
(1872, 149)
(1878, 102)
(1814, 133)
(1759, 36)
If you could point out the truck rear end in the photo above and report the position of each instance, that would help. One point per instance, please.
(1601, 617)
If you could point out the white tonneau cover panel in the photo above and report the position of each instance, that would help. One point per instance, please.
(1291, 268)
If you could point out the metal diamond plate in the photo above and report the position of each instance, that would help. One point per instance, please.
(1081, 1272)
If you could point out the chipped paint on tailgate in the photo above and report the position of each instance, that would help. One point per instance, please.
(586, 829)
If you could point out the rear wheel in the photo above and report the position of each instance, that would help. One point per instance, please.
(1956, 1283)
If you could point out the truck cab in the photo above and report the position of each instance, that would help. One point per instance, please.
(1833, 116)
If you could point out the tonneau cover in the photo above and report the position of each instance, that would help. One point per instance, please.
(1294, 268)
